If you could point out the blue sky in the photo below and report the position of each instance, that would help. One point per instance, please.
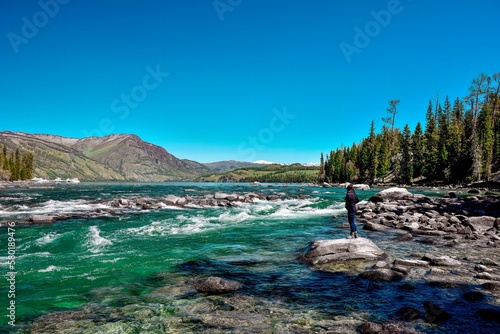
(237, 79)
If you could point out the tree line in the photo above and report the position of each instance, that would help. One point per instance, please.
(15, 165)
(460, 143)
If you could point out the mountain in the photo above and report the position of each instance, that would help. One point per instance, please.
(113, 157)
(228, 165)
(136, 159)
(54, 157)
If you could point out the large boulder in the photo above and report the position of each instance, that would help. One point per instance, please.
(325, 251)
(481, 224)
(391, 194)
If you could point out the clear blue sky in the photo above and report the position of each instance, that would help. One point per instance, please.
(237, 79)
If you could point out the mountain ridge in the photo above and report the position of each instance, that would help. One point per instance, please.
(112, 157)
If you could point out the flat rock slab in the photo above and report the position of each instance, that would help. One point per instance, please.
(326, 251)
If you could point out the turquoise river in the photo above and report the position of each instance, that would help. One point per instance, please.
(101, 271)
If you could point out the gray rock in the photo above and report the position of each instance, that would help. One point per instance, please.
(491, 286)
(481, 268)
(402, 269)
(325, 251)
(481, 224)
(386, 275)
(216, 285)
(411, 263)
(404, 237)
(489, 262)
(42, 219)
(486, 276)
(391, 194)
(171, 200)
(381, 265)
(370, 226)
(443, 261)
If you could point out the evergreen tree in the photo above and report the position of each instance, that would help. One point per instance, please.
(431, 144)
(321, 173)
(443, 122)
(384, 143)
(486, 137)
(27, 165)
(406, 155)
(418, 149)
(392, 110)
(6, 163)
(456, 147)
(495, 110)
(372, 154)
(16, 171)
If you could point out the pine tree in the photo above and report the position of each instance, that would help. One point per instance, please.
(6, 163)
(456, 147)
(321, 173)
(486, 137)
(372, 154)
(27, 165)
(443, 122)
(431, 143)
(384, 143)
(392, 110)
(406, 155)
(418, 149)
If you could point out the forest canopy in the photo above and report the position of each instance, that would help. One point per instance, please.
(459, 143)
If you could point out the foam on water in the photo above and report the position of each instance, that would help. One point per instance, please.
(47, 239)
(49, 269)
(95, 242)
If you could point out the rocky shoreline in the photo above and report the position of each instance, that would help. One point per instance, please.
(453, 219)
(468, 225)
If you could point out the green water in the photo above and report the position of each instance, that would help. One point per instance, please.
(120, 260)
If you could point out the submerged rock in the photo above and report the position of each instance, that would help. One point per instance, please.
(325, 251)
(435, 313)
(386, 275)
(216, 285)
(489, 314)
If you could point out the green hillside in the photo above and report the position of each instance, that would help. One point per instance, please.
(294, 173)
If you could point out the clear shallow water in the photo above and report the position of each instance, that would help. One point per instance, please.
(124, 259)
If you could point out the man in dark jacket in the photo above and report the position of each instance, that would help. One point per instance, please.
(351, 199)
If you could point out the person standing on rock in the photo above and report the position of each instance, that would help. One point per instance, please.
(351, 199)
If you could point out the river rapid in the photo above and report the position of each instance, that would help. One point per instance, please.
(132, 271)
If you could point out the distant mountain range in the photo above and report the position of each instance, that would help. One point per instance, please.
(113, 157)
